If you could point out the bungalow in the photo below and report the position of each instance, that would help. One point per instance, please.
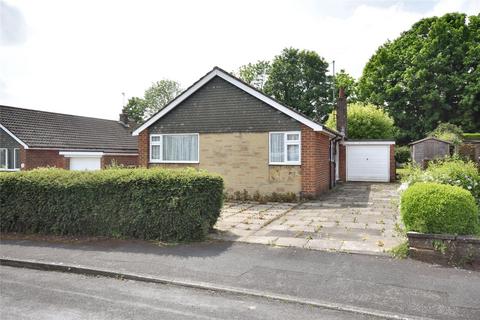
(258, 144)
(31, 139)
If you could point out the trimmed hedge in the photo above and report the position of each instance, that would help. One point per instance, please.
(438, 208)
(167, 205)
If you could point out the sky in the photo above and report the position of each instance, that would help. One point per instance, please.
(78, 56)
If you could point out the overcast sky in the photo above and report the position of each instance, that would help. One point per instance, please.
(78, 56)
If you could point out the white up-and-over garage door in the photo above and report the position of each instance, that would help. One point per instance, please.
(368, 161)
(83, 160)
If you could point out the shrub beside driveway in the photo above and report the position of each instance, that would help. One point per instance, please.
(168, 205)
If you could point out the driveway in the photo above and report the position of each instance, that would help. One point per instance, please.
(355, 217)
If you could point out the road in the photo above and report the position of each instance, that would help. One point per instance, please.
(33, 294)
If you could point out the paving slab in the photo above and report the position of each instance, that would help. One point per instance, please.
(360, 216)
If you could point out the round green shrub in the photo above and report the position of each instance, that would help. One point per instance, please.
(402, 154)
(437, 208)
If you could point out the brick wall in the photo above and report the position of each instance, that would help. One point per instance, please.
(393, 166)
(342, 169)
(43, 158)
(126, 161)
(315, 169)
(143, 148)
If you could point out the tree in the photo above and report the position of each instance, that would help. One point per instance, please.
(135, 109)
(255, 74)
(365, 121)
(430, 74)
(154, 99)
(299, 79)
(347, 82)
(159, 94)
(448, 132)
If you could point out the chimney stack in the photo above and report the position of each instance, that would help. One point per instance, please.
(123, 119)
(342, 112)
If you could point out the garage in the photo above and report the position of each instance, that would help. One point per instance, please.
(84, 161)
(369, 160)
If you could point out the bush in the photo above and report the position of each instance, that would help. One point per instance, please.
(437, 208)
(453, 171)
(456, 172)
(448, 132)
(402, 154)
(168, 205)
(471, 136)
(365, 121)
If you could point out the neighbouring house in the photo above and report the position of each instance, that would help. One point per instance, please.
(31, 139)
(427, 149)
(257, 144)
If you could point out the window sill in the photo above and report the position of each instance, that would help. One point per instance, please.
(284, 164)
(9, 169)
(174, 162)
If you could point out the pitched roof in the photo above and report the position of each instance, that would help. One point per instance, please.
(245, 87)
(428, 138)
(40, 129)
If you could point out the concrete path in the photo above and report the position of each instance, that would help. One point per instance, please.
(355, 217)
(381, 284)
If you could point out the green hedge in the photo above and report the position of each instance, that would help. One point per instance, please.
(437, 208)
(167, 205)
(471, 136)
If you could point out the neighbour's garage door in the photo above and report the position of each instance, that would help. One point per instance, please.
(85, 163)
(368, 162)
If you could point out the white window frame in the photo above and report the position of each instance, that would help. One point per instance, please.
(298, 142)
(15, 158)
(6, 160)
(160, 143)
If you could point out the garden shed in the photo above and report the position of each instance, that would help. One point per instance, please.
(427, 149)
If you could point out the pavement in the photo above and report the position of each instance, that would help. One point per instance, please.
(34, 294)
(354, 217)
(363, 284)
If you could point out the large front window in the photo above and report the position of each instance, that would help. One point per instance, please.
(174, 148)
(285, 148)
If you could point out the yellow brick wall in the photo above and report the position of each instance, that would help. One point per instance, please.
(242, 160)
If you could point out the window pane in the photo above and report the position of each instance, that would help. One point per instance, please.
(277, 147)
(293, 152)
(180, 148)
(155, 152)
(17, 158)
(293, 136)
(3, 158)
(156, 138)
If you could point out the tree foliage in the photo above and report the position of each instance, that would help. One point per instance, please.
(299, 79)
(430, 74)
(448, 132)
(154, 99)
(255, 74)
(365, 122)
(347, 82)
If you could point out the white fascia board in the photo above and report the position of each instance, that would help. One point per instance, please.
(368, 142)
(24, 145)
(69, 154)
(238, 84)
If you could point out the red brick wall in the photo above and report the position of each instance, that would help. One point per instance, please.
(126, 161)
(44, 158)
(143, 148)
(342, 169)
(393, 166)
(315, 162)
